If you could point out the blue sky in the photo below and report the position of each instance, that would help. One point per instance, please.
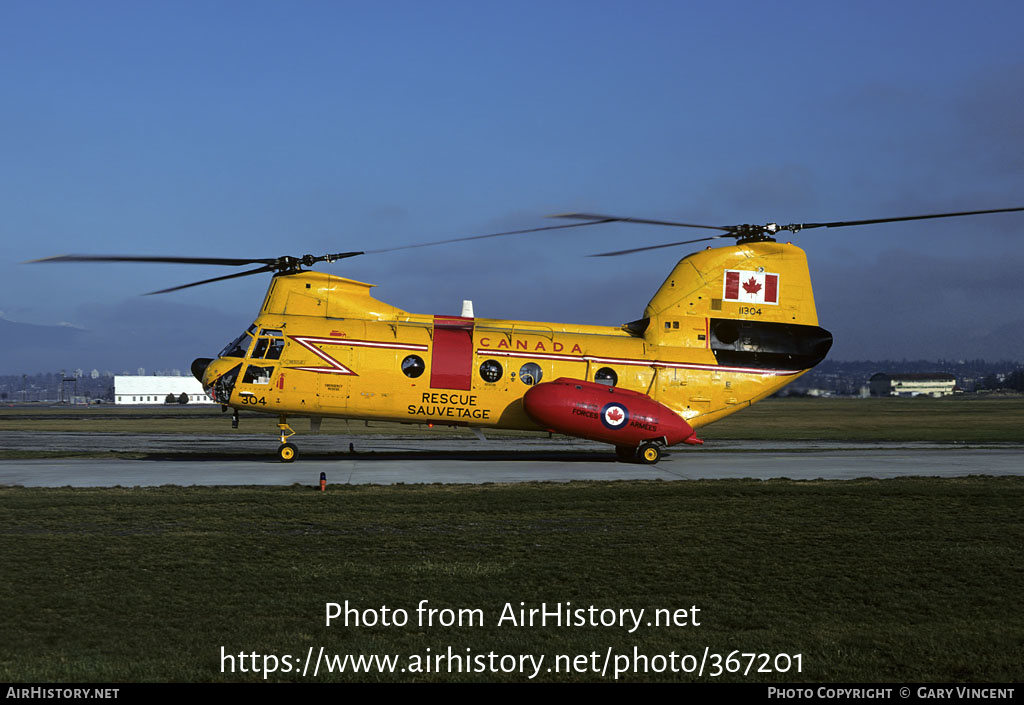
(261, 129)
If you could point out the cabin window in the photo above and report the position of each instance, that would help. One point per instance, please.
(606, 375)
(491, 371)
(412, 366)
(530, 373)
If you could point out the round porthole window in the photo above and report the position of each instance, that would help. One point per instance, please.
(606, 375)
(530, 373)
(491, 371)
(412, 366)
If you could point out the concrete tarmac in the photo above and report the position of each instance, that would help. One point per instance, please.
(219, 460)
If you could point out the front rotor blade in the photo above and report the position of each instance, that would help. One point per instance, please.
(339, 255)
(261, 270)
(146, 258)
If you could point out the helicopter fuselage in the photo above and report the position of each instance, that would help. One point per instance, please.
(728, 327)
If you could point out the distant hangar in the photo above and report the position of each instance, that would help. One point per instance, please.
(932, 384)
(141, 389)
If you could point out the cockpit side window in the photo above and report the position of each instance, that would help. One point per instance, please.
(274, 351)
(268, 346)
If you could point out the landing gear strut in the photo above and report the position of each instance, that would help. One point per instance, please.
(287, 452)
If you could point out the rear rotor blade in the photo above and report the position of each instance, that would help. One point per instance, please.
(843, 223)
(747, 232)
(658, 247)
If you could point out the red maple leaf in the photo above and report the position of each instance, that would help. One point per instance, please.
(751, 286)
(614, 414)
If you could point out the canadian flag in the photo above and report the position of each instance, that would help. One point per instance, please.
(751, 287)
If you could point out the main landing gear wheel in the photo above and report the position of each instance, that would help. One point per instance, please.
(649, 453)
(287, 452)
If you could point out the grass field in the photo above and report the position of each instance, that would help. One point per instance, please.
(897, 580)
(951, 419)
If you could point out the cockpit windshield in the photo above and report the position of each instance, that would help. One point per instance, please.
(240, 345)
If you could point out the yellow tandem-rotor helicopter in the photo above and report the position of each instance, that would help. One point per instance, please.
(728, 327)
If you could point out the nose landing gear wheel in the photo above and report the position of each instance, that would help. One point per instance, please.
(287, 452)
(650, 453)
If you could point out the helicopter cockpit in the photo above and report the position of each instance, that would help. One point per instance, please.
(257, 345)
(221, 388)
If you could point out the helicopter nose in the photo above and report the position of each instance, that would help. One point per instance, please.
(199, 366)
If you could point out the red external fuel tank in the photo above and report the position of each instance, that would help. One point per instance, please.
(602, 413)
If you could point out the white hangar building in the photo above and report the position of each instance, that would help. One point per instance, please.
(138, 389)
(936, 384)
